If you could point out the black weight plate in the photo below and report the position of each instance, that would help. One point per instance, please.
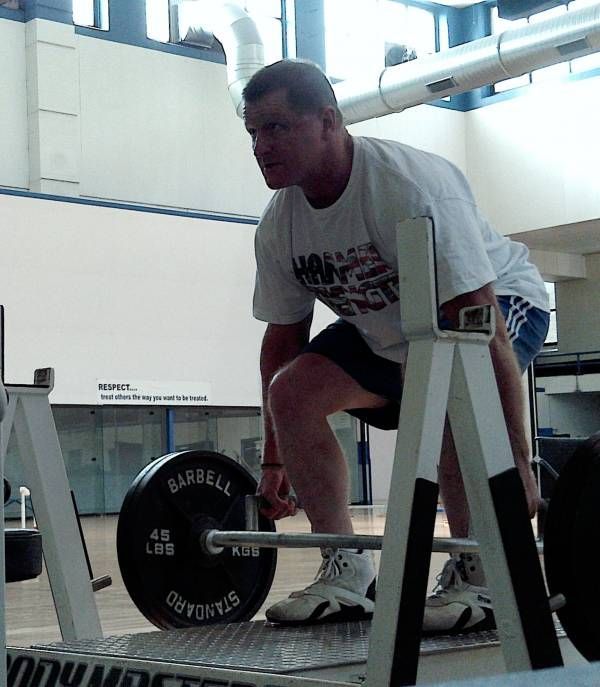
(171, 581)
(571, 526)
(23, 554)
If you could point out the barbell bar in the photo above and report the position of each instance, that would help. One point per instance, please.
(214, 541)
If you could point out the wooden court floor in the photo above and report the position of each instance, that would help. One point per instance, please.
(30, 614)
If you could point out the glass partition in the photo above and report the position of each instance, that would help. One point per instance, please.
(81, 447)
(105, 447)
(240, 438)
(345, 429)
(132, 437)
(194, 429)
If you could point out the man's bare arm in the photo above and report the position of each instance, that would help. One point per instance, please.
(508, 378)
(281, 344)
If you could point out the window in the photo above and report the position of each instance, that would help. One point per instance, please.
(555, 71)
(192, 22)
(157, 20)
(92, 13)
(360, 33)
(552, 337)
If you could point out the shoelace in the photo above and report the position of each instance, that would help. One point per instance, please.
(330, 568)
(449, 578)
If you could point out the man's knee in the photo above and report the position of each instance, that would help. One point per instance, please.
(300, 388)
(293, 388)
(312, 387)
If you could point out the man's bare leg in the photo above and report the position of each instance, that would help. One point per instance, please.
(461, 601)
(318, 471)
(301, 396)
(452, 487)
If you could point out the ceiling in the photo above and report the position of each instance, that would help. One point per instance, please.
(580, 238)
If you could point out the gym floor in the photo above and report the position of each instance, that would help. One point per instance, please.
(30, 614)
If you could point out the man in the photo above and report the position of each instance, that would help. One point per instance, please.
(329, 233)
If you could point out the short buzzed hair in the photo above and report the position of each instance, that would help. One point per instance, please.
(308, 89)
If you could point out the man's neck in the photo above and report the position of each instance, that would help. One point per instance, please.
(327, 186)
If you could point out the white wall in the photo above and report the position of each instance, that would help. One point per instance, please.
(533, 160)
(160, 129)
(434, 129)
(578, 309)
(101, 292)
(14, 168)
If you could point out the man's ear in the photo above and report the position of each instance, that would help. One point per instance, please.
(329, 120)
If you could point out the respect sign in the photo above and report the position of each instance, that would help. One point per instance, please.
(144, 392)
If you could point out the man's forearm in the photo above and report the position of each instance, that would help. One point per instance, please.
(270, 364)
(506, 369)
(508, 377)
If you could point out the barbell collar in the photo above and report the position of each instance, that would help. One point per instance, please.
(556, 602)
(214, 541)
(251, 512)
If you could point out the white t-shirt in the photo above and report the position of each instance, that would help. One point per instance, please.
(345, 254)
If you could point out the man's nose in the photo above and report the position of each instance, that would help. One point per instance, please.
(260, 145)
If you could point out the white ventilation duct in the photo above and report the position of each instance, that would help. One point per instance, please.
(472, 65)
(243, 48)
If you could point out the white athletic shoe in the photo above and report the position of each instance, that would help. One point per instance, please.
(344, 589)
(457, 605)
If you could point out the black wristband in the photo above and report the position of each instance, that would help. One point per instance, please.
(271, 465)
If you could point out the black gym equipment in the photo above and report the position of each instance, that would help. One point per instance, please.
(553, 454)
(23, 549)
(170, 503)
(23, 553)
(570, 530)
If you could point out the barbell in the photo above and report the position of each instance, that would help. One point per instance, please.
(188, 559)
(214, 541)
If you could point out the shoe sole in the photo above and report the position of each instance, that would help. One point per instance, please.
(347, 615)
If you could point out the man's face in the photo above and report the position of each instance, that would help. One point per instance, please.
(288, 146)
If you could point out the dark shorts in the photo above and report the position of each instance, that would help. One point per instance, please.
(340, 342)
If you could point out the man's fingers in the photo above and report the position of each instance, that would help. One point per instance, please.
(276, 513)
(277, 508)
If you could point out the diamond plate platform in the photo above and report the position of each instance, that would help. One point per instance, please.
(261, 647)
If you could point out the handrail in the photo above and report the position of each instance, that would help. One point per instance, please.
(556, 354)
(578, 359)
